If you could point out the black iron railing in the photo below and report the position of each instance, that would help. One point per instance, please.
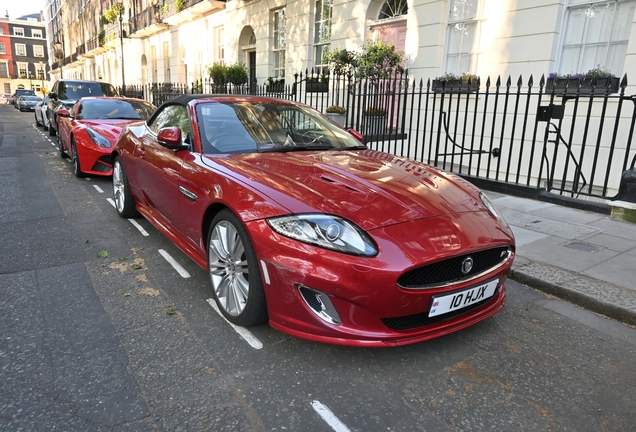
(557, 137)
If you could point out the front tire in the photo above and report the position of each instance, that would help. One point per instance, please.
(77, 167)
(60, 146)
(124, 201)
(51, 129)
(234, 272)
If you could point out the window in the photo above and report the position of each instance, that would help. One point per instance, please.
(4, 69)
(596, 35)
(23, 70)
(7, 86)
(1, 30)
(18, 31)
(2, 48)
(38, 50)
(219, 49)
(322, 32)
(172, 115)
(36, 33)
(279, 42)
(40, 72)
(463, 36)
(393, 8)
(20, 49)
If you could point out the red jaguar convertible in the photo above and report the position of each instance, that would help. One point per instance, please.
(88, 131)
(300, 225)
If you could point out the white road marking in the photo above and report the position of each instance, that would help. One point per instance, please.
(140, 228)
(98, 189)
(328, 416)
(242, 331)
(134, 222)
(184, 274)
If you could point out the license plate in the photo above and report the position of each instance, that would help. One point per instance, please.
(462, 299)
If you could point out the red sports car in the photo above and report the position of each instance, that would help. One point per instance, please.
(89, 131)
(300, 224)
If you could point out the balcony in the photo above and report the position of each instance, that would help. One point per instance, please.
(80, 50)
(147, 23)
(111, 34)
(95, 46)
(189, 10)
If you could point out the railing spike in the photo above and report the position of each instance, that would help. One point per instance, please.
(509, 82)
(624, 81)
(542, 81)
(488, 82)
(498, 84)
(520, 81)
(531, 81)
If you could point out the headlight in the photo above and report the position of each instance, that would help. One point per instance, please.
(491, 208)
(97, 138)
(326, 231)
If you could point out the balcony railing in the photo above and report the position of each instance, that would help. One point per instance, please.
(111, 33)
(144, 22)
(95, 43)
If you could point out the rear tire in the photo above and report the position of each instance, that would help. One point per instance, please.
(124, 201)
(37, 122)
(234, 272)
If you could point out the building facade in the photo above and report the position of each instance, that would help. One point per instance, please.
(177, 40)
(24, 59)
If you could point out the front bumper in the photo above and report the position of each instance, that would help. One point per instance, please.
(364, 291)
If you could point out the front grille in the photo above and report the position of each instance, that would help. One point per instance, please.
(449, 271)
(422, 319)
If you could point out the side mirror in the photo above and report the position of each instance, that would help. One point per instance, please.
(170, 138)
(357, 135)
(52, 95)
(63, 113)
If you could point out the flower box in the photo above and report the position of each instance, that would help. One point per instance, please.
(455, 86)
(558, 86)
(338, 118)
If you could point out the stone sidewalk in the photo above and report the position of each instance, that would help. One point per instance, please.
(586, 258)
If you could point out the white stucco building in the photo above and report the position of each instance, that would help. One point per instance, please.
(176, 40)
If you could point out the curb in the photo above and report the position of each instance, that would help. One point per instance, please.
(587, 300)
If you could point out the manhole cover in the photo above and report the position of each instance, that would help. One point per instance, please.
(585, 247)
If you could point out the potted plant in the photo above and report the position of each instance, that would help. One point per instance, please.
(452, 83)
(337, 113)
(374, 121)
(217, 74)
(237, 74)
(603, 78)
(275, 84)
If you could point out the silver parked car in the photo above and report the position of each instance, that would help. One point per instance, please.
(40, 113)
(28, 103)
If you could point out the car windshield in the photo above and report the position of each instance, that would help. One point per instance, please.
(77, 90)
(31, 98)
(249, 127)
(93, 109)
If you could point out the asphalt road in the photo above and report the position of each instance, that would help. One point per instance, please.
(99, 331)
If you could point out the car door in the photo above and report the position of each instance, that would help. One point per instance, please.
(158, 168)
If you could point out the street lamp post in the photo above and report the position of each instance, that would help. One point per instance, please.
(41, 64)
(121, 42)
(60, 46)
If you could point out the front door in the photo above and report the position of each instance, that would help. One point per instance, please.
(252, 66)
